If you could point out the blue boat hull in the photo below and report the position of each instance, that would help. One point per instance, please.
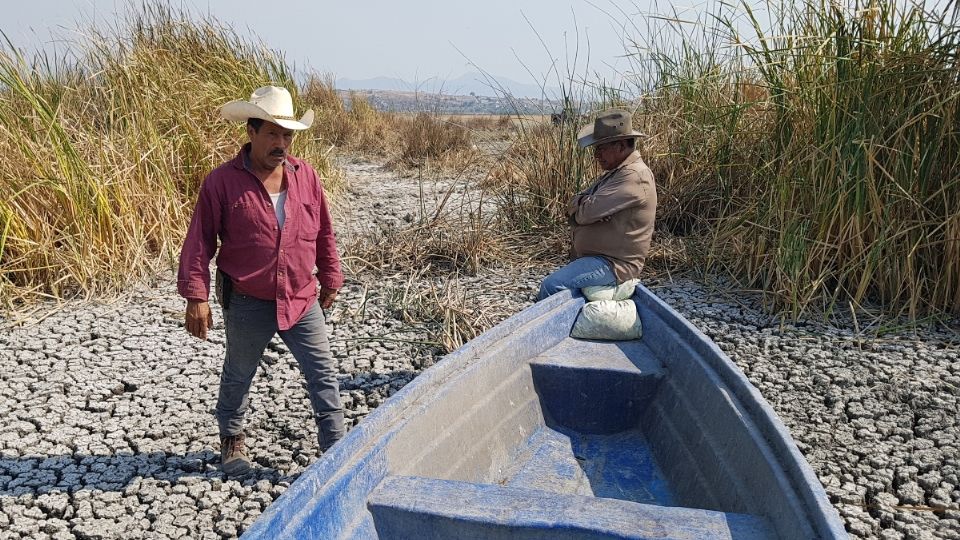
(527, 433)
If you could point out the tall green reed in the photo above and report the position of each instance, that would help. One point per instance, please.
(858, 169)
(815, 157)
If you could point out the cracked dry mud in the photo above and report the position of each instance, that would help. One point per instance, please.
(108, 429)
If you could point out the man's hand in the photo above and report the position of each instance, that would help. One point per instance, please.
(199, 318)
(326, 297)
(574, 205)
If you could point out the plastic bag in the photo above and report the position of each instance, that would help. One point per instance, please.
(614, 320)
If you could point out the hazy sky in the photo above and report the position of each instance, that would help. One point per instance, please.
(411, 39)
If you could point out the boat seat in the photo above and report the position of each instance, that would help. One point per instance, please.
(425, 508)
(596, 387)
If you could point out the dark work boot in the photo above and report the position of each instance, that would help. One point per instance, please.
(233, 456)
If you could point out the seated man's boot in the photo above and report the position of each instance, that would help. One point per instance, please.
(233, 456)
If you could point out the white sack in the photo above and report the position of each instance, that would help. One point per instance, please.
(614, 320)
(611, 292)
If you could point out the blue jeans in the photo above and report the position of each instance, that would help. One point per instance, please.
(582, 272)
(251, 323)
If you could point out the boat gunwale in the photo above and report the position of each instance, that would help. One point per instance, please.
(760, 414)
(381, 425)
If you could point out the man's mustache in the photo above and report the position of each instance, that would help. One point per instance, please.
(278, 152)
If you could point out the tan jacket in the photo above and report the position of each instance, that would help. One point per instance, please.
(614, 217)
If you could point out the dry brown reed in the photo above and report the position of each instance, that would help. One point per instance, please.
(105, 153)
(453, 237)
(427, 136)
(452, 314)
(358, 128)
(458, 233)
(483, 122)
(403, 140)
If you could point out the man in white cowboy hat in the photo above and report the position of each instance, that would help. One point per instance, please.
(269, 212)
(612, 220)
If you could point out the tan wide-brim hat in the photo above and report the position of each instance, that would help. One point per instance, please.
(270, 103)
(610, 125)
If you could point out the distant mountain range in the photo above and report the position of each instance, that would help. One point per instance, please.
(466, 84)
(448, 103)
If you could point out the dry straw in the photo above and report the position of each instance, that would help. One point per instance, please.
(404, 140)
(105, 153)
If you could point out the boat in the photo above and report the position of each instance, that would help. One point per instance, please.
(527, 433)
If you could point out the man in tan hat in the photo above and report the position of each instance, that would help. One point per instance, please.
(612, 220)
(269, 213)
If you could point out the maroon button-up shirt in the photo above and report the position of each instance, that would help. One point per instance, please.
(263, 260)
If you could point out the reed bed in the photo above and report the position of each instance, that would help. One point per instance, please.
(404, 141)
(108, 143)
(817, 160)
(106, 149)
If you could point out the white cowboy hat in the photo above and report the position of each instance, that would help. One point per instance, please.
(270, 103)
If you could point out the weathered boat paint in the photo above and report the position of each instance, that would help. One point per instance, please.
(526, 433)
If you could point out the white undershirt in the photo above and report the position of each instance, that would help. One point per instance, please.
(278, 200)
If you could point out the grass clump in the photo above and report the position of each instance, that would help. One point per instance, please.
(456, 233)
(107, 149)
(426, 136)
(359, 127)
(482, 122)
(451, 313)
